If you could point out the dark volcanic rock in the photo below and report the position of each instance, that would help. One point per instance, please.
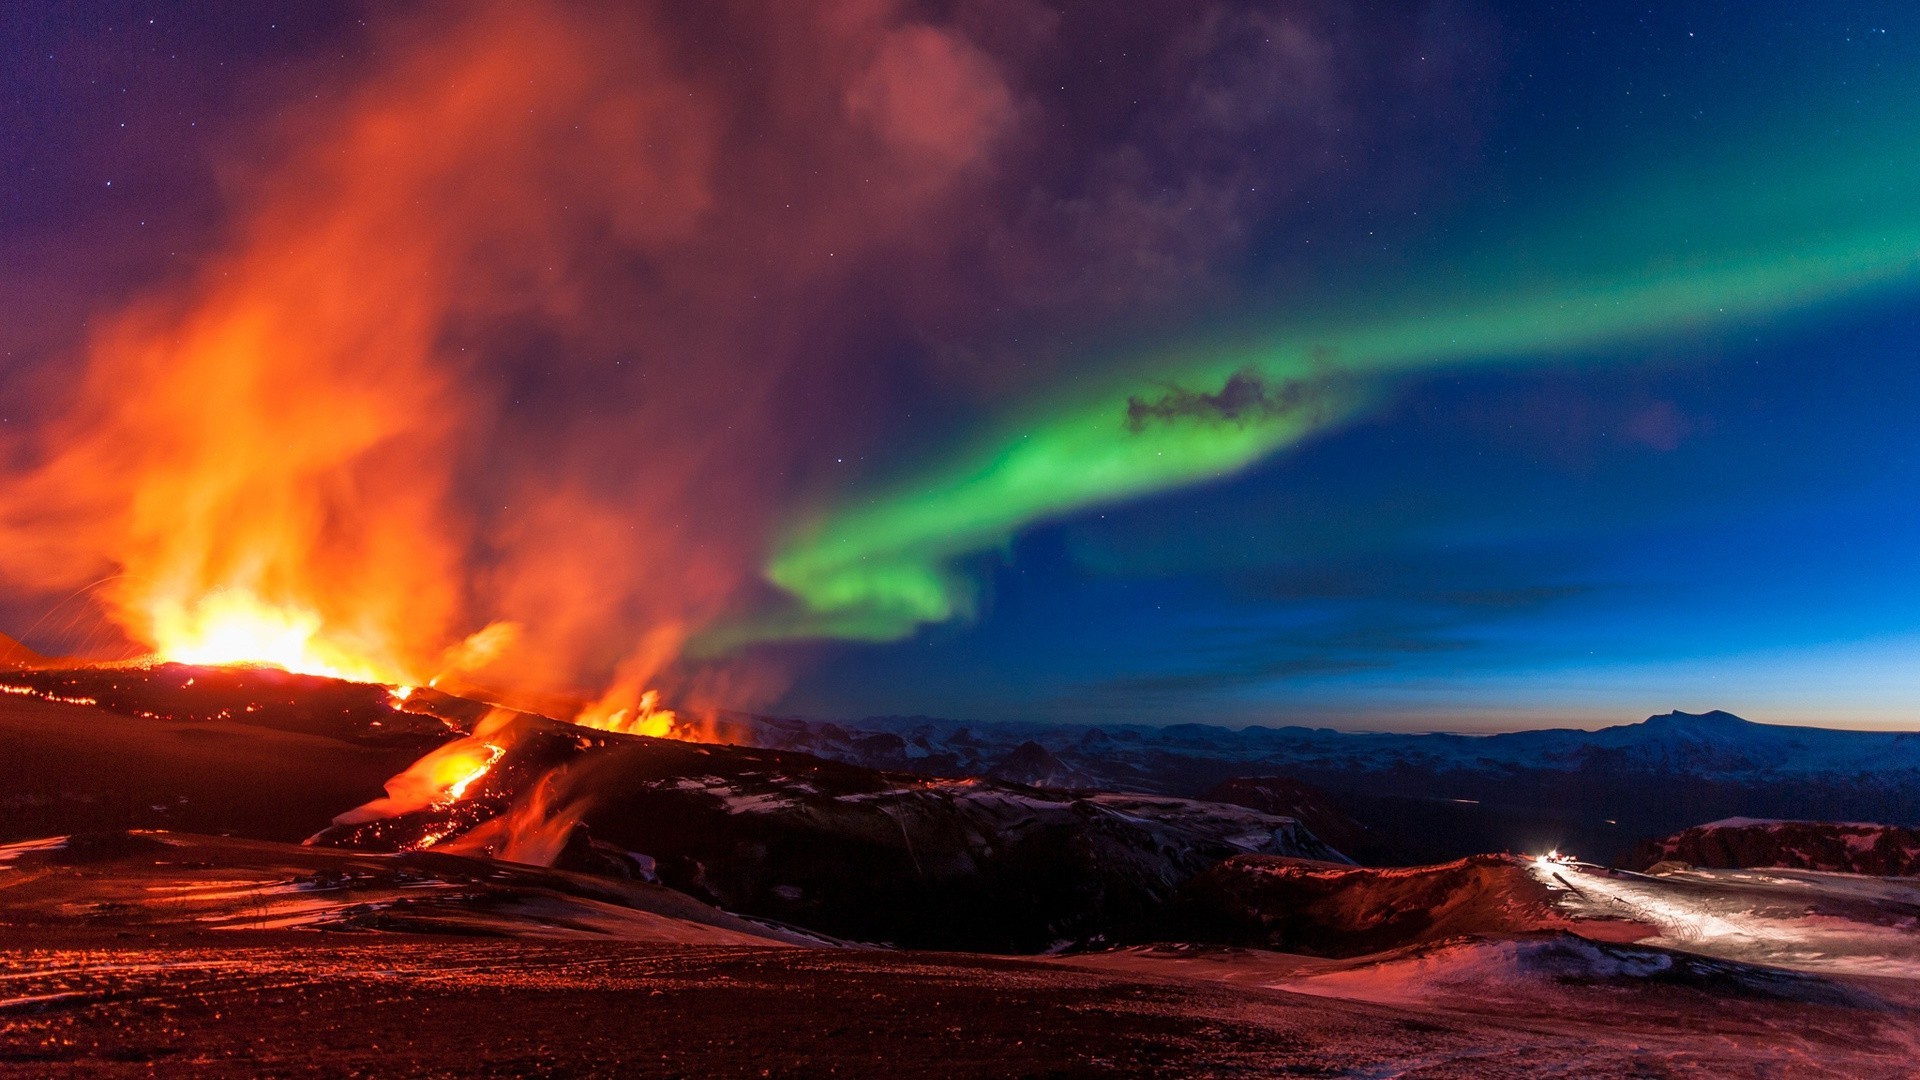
(883, 751)
(249, 752)
(262, 697)
(1745, 843)
(1031, 764)
(844, 850)
(851, 851)
(1312, 807)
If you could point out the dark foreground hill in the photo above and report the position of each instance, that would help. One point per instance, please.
(1320, 910)
(842, 849)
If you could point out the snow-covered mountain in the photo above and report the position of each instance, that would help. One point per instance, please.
(1428, 797)
(1713, 745)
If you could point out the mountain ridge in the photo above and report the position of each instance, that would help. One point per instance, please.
(1429, 796)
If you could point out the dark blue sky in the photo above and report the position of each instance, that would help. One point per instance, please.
(1732, 529)
(1714, 520)
(1718, 512)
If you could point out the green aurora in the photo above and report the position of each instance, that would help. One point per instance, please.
(886, 560)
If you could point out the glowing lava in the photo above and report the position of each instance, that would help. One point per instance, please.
(443, 777)
(228, 626)
(476, 768)
(640, 715)
(630, 706)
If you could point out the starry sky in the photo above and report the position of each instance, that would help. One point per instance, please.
(1427, 365)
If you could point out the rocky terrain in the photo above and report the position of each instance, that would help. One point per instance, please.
(1839, 847)
(301, 1004)
(195, 862)
(166, 882)
(843, 849)
(129, 954)
(1319, 910)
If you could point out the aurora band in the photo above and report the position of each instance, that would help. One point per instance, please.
(884, 560)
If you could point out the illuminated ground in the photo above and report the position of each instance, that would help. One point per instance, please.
(177, 952)
(184, 953)
(305, 1004)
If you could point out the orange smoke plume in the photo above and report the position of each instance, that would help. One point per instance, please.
(494, 370)
(263, 458)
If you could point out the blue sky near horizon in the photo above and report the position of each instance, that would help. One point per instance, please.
(1546, 550)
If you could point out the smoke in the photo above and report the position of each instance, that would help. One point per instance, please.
(1247, 396)
(521, 340)
(560, 350)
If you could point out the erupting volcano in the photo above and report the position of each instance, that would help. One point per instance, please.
(499, 501)
(293, 454)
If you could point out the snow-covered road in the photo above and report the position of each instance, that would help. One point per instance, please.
(1799, 919)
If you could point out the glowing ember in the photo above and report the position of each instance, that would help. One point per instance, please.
(28, 691)
(431, 839)
(534, 831)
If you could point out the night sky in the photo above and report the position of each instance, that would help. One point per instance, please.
(1412, 365)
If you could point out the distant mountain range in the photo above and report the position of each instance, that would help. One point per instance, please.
(1382, 799)
(1716, 745)
(1421, 797)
